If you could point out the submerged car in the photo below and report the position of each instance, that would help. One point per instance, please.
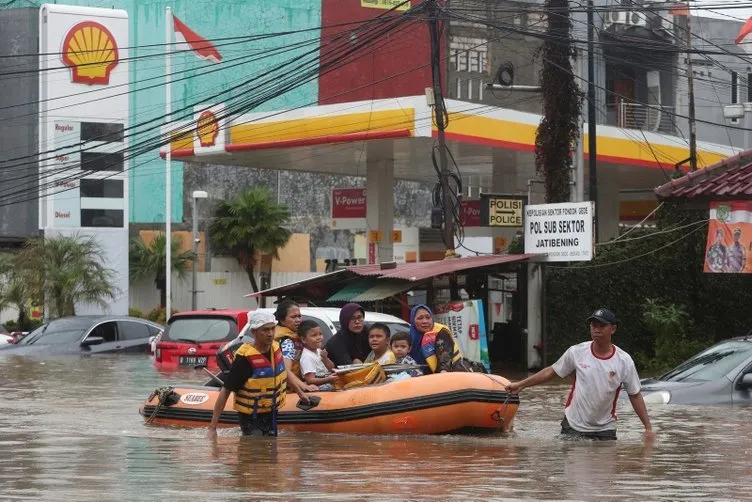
(721, 374)
(193, 338)
(86, 335)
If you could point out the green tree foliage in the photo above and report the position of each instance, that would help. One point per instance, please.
(664, 265)
(562, 99)
(150, 261)
(64, 271)
(248, 225)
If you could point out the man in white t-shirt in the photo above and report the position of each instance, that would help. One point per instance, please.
(601, 370)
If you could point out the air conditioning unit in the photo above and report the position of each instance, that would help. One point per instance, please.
(617, 17)
(636, 18)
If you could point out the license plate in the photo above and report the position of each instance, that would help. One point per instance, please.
(192, 360)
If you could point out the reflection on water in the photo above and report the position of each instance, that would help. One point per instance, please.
(70, 430)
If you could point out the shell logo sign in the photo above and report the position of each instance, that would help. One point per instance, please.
(91, 52)
(207, 129)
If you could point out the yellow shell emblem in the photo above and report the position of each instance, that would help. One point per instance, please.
(207, 129)
(90, 51)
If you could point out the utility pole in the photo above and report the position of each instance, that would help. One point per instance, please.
(440, 113)
(691, 85)
(592, 133)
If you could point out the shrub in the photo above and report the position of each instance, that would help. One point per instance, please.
(135, 313)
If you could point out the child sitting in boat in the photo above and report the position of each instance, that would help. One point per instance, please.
(315, 365)
(378, 340)
(400, 344)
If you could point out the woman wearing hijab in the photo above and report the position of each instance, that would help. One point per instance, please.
(350, 344)
(288, 318)
(432, 343)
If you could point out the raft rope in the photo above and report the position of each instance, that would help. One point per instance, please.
(163, 393)
(500, 413)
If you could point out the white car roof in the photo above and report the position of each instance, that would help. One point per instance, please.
(331, 315)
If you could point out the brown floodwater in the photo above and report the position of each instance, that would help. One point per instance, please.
(70, 430)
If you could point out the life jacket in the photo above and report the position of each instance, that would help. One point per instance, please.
(368, 375)
(267, 383)
(428, 347)
(282, 333)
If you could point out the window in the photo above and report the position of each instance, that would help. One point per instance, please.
(734, 87)
(201, 329)
(98, 161)
(107, 331)
(711, 364)
(749, 86)
(58, 332)
(102, 131)
(133, 330)
(112, 218)
(102, 188)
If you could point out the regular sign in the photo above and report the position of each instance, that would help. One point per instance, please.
(563, 231)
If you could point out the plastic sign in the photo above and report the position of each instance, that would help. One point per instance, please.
(396, 236)
(563, 232)
(207, 129)
(501, 210)
(375, 236)
(91, 52)
(385, 4)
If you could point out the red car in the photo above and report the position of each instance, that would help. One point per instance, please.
(193, 338)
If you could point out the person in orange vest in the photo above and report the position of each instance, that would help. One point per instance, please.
(258, 378)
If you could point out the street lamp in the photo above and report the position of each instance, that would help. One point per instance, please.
(197, 194)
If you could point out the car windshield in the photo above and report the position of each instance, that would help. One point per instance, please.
(711, 364)
(57, 332)
(201, 329)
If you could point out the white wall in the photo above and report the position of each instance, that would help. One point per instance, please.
(216, 289)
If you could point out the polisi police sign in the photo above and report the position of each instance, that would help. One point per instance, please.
(501, 210)
(564, 232)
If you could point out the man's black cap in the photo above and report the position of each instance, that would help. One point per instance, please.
(603, 315)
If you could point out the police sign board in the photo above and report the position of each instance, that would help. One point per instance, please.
(501, 210)
(563, 231)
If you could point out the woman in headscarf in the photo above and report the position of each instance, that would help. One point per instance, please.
(350, 344)
(432, 343)
(288, 318)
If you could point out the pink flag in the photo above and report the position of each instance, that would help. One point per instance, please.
(203, 48)
(745, 36)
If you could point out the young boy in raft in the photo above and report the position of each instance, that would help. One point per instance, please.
(315, 365)
(378, 340)
(400, 345)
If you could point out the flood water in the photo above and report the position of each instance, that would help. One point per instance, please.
(70, 430)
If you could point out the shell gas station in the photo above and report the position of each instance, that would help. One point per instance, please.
(385, 140)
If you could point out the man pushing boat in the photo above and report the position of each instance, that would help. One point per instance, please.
(258, 378)
(601, 370)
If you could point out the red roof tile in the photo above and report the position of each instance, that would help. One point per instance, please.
(731, 177)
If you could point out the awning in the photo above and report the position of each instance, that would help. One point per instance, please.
(352, 290)
(384, 289)
(425, 269)
(349, 284)
(312, 282)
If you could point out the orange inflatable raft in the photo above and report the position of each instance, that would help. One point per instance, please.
(445, 403)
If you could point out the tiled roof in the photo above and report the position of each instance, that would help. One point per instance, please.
(728, 178)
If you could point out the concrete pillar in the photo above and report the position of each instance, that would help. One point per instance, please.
(380, 200)
(608, 203)
(535, 301)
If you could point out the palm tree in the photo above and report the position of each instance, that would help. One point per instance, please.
(13, 289)
(248, 225)
(65, 271)
(150, 260)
